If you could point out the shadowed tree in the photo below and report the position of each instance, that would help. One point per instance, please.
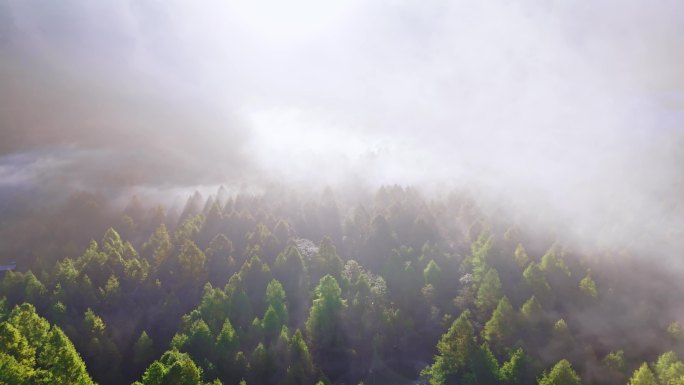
(220, 262)
(432, 274)
(536, 281)
(489, 293)
(300, 369)
(500, 329)
(159, 246)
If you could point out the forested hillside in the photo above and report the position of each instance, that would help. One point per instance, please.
(287, 288)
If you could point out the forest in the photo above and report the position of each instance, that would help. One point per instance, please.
(281, 287)
(269, 192)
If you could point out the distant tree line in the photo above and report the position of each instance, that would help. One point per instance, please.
(288, 289)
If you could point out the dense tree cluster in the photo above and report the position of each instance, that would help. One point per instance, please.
(286, 288)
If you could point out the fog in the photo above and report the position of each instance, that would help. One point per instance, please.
(567, 112)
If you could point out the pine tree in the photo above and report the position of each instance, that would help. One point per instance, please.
(143, 349)
(432, 274)
(301, 369)
(560, 374)
(499, 330)
(643, 376)
(669, 369)
(489, 293)
(275, 297)
(521, 256)
(512, 372)
(535, 279)
(455, 350)
(34, 352)
(271, 325)
(323, 324)
(159, 246)
(531, 313)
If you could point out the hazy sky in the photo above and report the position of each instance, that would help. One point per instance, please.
(579, 105)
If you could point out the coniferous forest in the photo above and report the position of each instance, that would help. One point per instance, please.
(308, 192)
(275, 288)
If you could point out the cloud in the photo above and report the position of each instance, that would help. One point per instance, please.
(559, 107)
(79, 84)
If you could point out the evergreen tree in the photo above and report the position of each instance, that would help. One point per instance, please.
(300, 369)
(33, 352)
(500, 328)
(271, 325)
(560, 374)
(323, 324)
(483, 369)
(669, 369)
(173, 368)
(643, 376)
(432, 274)
(275, 297)
(455, 350)
(159, 246)
(615, 360)
(513, 371)
(521, 256)
(489, 293)
(535, 279)
(588, 287)
(220, 262)
(143, 349)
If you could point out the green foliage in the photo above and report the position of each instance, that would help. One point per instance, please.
(143, 349)
(220, 262)
(93, 323)
(643, 376)
(588, 287)
(359, 323)
(477, 262)
(454, 349)
(188, 229)
(675, 332)
(535, 279)
(432, 274)
(500, 328)
(489, 293)
(301, 368)
(615, 360)
(483, 369)
(159, 245)
(326, 261)
(173, 368)
(323, 324)
(560, 374)
(191, 261)
(33, 352)
(669, 370)
(531, 312)
(227, 340)
(552, 262)
(512, 372)
(275, 298)
(271, 324)
(521, 256)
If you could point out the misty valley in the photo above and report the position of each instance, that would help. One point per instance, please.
(282, 287)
